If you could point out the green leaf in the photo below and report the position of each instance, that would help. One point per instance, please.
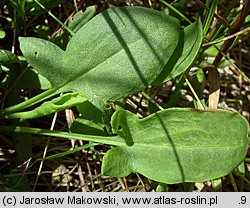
(81, 18)
(2, 33)
(7, 58)
(62, 154)
(178, 145)
(74, 24)
(33, 80)
(92, 121)
(188, 47)
(117, 53)
(46, 58)
(84, 126)
(19, 7)
(135, 51)
(171, 146)
(212, 51)
(23, 146)
(90, 112)
(191, 45)
(64, 101)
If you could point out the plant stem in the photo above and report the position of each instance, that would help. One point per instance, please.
(221, 19)
(235, 28)
(194, 93)
(55, 18)
(30, 102)
(176, 11)
(62, 154)
(110, 140)
(151, 100)
(227, 37)
(233, 64)
(210, 17)
(233, 182)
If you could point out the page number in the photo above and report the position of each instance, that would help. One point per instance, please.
(243, 200)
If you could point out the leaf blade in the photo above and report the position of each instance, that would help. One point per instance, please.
(125, 55)
(137, 54)
(45, 57)
(55, 105)
(182, 146)
(187, 49)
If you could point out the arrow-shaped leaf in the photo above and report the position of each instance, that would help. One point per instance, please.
(117, 53)
(178, 145)
(171, 146)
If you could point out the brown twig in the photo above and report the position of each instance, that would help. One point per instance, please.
(227, 38)
(234, 29)
(213, 75)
